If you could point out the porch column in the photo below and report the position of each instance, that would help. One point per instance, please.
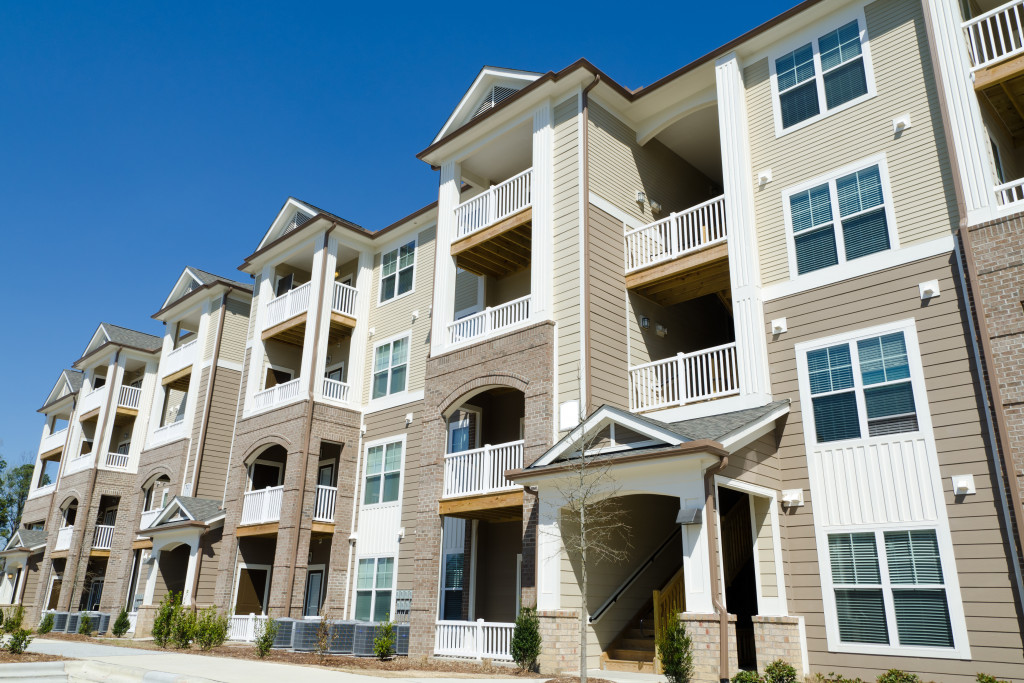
(444, 267)
(542, 223)
(696, 581)
(190, 572)
(549, 551)
(19, 590)
(154, 565)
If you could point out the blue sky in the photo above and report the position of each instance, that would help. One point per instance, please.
(137, 138)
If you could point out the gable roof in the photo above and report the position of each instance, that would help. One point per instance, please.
(69, 378)
(481, 93)
(107, 333)
(196, 511)
(192, 279)
(27, 538)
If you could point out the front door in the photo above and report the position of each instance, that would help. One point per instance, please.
(95, 593)
(252, 591)
(314, 585)
(54, 593)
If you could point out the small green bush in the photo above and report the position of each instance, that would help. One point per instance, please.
(166, 615)
(183, 630)
(526, 639)
(85, 625)
(779, 671)
(897, 676)
(13, 619)
(675, 650)
(834, 678)
(19, 641)
(986, 678)
(211, 629)
(747, 677)
(121, 624)
(266, 631)
(46, 625)
(384, 640)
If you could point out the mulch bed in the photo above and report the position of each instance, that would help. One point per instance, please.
(27, 657)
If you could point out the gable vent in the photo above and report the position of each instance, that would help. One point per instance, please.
(298, 219)
(192, 284)
(496, 96)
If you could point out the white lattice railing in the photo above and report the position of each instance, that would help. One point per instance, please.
(490, 320)
(685, 378)
(678, 234)
(288, 305)
(336, 390)
(481, 470)
(325, 498)
(488, 207)
(243, 627)
(117, 461)
(1010, 193)
(995, 35)
(179, 358)
(148, 517)
(63, 538)
(344, 299)
(277, 394)
(102, 536)
(475, 639)
(262, 505)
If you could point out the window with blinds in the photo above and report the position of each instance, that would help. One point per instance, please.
(876, 399)
(825, 73)
(839, 220)
(889, 588)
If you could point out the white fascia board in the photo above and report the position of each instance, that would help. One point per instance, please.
(172, 507)
(739, 438)
(290, 205)
(101, 334)
(186, 274)
(480, 84)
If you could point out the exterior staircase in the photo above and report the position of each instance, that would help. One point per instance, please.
(634, 648)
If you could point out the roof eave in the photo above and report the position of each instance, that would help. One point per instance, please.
(226, 284)
(81, 361)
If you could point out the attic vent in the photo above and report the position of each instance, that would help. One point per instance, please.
(496, 96)
(298, 218)
(193, 284)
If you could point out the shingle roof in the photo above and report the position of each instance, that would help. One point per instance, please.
(200, 509)
(74, 379)
(208, 278)
(133, 338)
(30, 538)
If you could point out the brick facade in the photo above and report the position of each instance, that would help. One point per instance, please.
(704, 630)
(559, 641)
(778, 638)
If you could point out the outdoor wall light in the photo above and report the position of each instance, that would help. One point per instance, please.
(645, 322)
(641, 196)
(929, 289)
(793, 498)
(963, 485)
(655, 207)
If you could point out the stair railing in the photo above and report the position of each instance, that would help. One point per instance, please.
(631, 579)
(668, 601)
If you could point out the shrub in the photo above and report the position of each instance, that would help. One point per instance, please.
(779, 671)
(384, 640)
(897, 676)
(211, 628)
(985, 678)
(121, 624)
(747, 677)
(675, 650)
(266, 631)
(183, 629)
(46, 625)
(526, 639)
(834, 678)
(324, 636)
(85, 625)
(166, 614)
(13, 619)
(19, 641)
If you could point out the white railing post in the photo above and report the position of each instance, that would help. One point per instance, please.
(479, 639)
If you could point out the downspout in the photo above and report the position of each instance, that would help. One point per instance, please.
(204, 427)
(585, 226)
(713, 566)
(95, 470)
(309, 419)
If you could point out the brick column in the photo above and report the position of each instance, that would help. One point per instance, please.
(703, 630)
(778, 638)
(559, 641)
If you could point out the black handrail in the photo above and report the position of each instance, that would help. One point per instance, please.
(633, 577)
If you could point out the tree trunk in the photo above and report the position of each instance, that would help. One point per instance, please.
(583, 596)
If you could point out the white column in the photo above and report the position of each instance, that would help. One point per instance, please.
(154, 565)
(965, 124)
(317, 274)
(696, 579)
(264, 293)
(443, 311)
(474, 530)
(115, 378)
(549, 550)
(541, 195)
(190, 572)
(20, 588)
(148, 399)
(358, 347)
(744, 266)
(320, 362)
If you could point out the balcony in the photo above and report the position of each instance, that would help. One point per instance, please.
(262, 506)
(493, 229)
(63, 538)
(148, 517)
(995, 36)
(79, 464)
(128, 399)
(180, 358)
(326, 496)
(684, 379)
(53, 442)
(91, 401)
(490, 322)
(482, 470)
(285, 316)
(117, 461)
(335, 390)
(277, 395)
(168, 433)
(102, 537)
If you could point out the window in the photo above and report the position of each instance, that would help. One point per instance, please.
(453, 582)
(390, 365)
(997, 160)
(396, 269)
(862, 388)
(889, 588)
(839, 220)
(383, 473)
(373, 588)
(823, 74)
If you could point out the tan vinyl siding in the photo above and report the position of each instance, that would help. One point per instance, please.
(395, 316)
(921, 183)
(211, 334)
(208, 568)
(219, 431)
(606, 311)
(978, 541)
(765, 546)
(33, 578)
(566, 297)
(200, 408)
(467, 290)
(232, 346)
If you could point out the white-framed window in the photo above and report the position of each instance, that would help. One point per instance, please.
(823, 73)
(383, 473)
(840, 217)
(452, 596)
(397, 267)
(374, 587)
(390, 366)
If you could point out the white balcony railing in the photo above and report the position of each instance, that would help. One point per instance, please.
(685, 378)
(169, 432)
(678, 234)
(474, 639)
(1010, 193)
(344, 300)
(262, 506)
(277, 395)
(148, 517)
(482, 470)
(288, 305)
(243, 627)
(63, 538)
(179, 358)
(490, 320)
(325, 498)
(995, 35)
(102, 536)
(53, 441)
(117, 461)
(488, 207)
(336, 390)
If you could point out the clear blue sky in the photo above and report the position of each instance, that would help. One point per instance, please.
(139, 137)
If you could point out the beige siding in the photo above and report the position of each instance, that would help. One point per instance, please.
(208, 568)
(765, 545)
(211, 334)
(232, 346)
(606, 311)
(919, 172)
(219, 431)
(566, 298)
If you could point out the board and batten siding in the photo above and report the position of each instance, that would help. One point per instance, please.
(979, 543)
(608, 353)
(566, 298)
(395, 316)
(919, 171)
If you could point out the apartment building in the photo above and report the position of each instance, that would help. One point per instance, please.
(775, 292)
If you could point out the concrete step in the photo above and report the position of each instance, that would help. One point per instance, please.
(627, 665)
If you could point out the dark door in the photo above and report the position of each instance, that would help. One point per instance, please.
(264, 476)
(252, 587)
(314, 586)
(284, 284)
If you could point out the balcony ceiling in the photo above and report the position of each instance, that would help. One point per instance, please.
(1001, 90)
(689, 277)
(501, 158)
(498, 250)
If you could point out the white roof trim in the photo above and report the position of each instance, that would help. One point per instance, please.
(487, 77)
(58, 385)
(174, 295)
(174, 505)
(283, 215)
(739, 438)
(92, 345)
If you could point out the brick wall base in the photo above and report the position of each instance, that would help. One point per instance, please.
(144, 621)
(703, 630)
(778, 638)
(559, 641)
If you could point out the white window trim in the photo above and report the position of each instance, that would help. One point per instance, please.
(812, 35)
(373, 591)
(961, 647)
(267, 463)
(408, 362)
(835, 272)
(401, 473)
(398, 244)
(238, 578)
(452, 426)
(340, 365)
